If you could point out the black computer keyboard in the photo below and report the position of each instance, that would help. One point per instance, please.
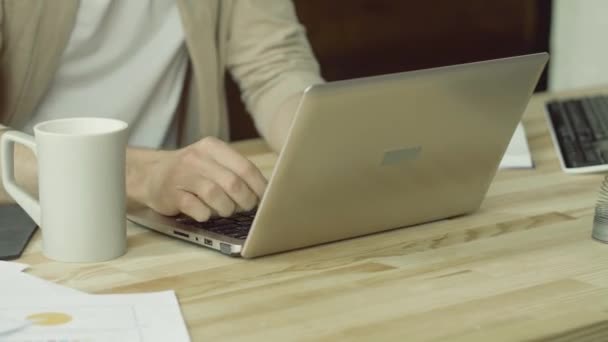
(580, 129)
(236, 226)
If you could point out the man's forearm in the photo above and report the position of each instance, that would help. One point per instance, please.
(280, 125)
(138, 160)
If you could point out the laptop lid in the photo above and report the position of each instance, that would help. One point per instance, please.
(378, 153)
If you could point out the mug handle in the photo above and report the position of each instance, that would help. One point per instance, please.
(24, 199)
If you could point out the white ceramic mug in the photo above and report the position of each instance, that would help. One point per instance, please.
(81, 184)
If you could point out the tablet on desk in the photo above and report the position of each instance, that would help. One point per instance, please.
(16, 230)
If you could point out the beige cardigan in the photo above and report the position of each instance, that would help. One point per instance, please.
(259, 41)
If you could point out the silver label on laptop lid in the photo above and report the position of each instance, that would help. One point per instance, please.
(401, 155)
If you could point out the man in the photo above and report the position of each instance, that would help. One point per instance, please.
(158, 65)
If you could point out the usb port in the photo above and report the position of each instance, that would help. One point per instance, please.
(208, 242)
(178, 233)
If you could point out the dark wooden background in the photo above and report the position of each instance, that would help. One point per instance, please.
(354, 38)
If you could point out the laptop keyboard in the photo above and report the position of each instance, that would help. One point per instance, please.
(581, 129)
(236, 226)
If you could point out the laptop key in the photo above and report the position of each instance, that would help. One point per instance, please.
(236, 227)
(223, 228)
(591, 157)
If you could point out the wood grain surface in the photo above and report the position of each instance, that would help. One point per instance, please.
(522, 268)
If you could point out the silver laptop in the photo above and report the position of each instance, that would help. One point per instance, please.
(372, 154)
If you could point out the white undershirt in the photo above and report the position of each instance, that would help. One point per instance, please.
(125, 60)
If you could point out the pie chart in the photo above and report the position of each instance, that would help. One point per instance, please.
(49, 318)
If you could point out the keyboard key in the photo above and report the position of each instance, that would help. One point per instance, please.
(236, 226)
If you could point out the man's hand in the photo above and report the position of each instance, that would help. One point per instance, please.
(199, 180)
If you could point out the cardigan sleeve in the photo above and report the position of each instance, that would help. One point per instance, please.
(269, 56)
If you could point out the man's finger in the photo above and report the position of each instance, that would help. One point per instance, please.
(192, 206)
(239, 165)
(233, 185)
(214, 196)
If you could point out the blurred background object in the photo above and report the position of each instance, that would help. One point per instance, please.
(355, 38)
(579, 53)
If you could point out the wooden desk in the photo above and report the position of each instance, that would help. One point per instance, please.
(523, 267)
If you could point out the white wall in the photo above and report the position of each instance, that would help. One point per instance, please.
(579, 44)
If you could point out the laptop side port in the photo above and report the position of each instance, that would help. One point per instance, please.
(225, 248)
(208, 242)
(182, 234)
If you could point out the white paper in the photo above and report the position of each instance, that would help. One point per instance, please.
(23, 284)
(9, 325)
(18, 284)
(6, 266)
(137, 317)
(15, 283)
(518, 152)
